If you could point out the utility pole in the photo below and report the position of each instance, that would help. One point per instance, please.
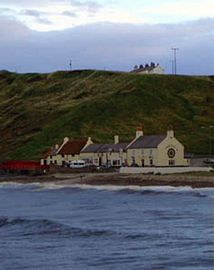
(175, 59)
(210, 141)
(172, 63)
(70, 64)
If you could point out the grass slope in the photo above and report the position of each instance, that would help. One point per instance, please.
(38, 110)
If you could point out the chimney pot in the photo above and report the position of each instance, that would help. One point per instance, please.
(116, 139)
(66, 139)
(56, 146)
(170, 133)
(89, 141)
(139, 132)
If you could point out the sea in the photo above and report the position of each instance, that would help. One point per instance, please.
(80, 227)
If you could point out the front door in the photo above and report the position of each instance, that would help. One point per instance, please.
(142, 162)
(100, 161)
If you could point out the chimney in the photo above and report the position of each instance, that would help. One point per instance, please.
(139, 132)
(89, 141)
(116, 139)
(170, 133)
(56, 147)
(66, 139)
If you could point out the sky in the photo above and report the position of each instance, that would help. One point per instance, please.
(44, 35)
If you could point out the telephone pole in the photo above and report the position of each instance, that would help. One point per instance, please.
(210, 140)
(175, 59)
(172, 65)
(70, 64)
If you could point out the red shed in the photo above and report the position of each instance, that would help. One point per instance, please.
(14, 165)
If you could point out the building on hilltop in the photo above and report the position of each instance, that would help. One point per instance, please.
(148, 69)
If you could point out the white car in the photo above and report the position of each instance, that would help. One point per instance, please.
(77, 164)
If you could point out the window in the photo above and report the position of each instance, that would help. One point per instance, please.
(151, 162)
(171, 153)
(125, 162)
(55, 162)
(171, 162)
(63, 155)
(116, 162)
(133, 161)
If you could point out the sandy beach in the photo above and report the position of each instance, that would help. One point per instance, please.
(194, 180)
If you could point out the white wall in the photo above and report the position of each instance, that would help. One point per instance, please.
(163, 170)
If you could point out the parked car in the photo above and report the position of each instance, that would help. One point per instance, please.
(209, 162)
(77, 164)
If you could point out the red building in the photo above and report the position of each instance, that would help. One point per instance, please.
(20, 166)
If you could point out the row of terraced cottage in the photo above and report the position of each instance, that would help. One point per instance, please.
(142, 151)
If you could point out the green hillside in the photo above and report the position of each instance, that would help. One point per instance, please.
(38, 110)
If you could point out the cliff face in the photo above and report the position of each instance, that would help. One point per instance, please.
(38, 110)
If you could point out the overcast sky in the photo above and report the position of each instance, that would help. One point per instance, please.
(43, 35)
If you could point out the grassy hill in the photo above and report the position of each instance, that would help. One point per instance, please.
(38, 110)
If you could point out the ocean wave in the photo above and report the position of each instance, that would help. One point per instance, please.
(15, 185)
(22, 227)
(115, 187)
(10, 184)
(47, 227)
(131, 189)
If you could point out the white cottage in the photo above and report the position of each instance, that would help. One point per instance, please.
(149, 69)
(156, 150)
(110, 155)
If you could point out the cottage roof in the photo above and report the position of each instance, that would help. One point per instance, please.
(50, 152)
(105, 148)
(92, 148)
(147, 141)
(72, 147)
(113, 147)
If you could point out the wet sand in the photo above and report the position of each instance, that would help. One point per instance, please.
(193, 180)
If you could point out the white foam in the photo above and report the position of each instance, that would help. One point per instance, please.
(9, 184)
(53, 186)
(167, 189)
(209, 192)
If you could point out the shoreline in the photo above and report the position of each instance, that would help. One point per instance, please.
(116, 179)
